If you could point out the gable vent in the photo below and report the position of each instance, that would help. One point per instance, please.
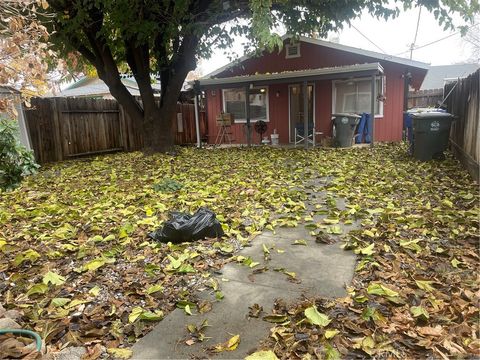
(292, 50)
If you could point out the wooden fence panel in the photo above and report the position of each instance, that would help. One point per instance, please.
(90, 126)
(425, 98)
(44, 134)
(62, 128)
(464, 103)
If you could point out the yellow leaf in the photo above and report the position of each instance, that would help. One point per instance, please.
(94, 291)
(331, 333)
(136, 312)
(262, 355)
(233, 342)
(229, 345)
(120, 353)
(425, 285)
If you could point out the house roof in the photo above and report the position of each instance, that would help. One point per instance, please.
(93, 86)
(6, 89)
(354, 50)
(328, 44)
(321, 73)
(436, 75)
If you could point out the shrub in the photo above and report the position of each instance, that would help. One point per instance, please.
(16, 161)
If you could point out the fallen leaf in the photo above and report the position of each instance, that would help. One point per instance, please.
(300, 242)
(419, 312)
(120, 353)
(379, 289)
(53, 278)
(230, 345)
(276, 318)
(315, 317)
(262, 355)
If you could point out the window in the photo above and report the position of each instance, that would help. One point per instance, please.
(234, 103)
(292, 51)
(354, 96)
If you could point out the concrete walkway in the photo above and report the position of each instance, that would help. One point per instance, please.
(319, 269)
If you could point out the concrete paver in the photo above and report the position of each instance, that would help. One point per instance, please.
(320, 270)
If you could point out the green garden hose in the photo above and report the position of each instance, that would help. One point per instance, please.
(29, 333)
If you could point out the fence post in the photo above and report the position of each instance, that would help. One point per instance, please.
(122, 126)
(57, 133)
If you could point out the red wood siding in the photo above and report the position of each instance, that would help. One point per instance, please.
(387, 128)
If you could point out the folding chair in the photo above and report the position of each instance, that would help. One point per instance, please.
(300, 134)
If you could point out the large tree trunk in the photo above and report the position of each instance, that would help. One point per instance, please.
(158, 134)
(158, 123)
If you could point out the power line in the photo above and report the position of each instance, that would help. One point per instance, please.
(370, 41)
(435, 41)
(416, 32)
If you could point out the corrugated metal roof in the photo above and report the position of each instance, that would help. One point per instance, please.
(296, 74)
(437, 75)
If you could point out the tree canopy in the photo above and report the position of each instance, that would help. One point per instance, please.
(167, 38)
(23, 50)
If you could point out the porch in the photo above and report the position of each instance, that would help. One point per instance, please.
(281, 100)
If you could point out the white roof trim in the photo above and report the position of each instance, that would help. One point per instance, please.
(293, 74)
(395, 59)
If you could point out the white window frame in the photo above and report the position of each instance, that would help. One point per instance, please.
(244, 121)
(382, 87)
(288, 46)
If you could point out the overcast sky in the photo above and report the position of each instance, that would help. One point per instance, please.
(394, 37)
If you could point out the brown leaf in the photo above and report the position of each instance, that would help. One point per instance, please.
(255, 311)
(430, 331)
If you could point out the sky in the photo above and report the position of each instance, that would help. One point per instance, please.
(394, 37)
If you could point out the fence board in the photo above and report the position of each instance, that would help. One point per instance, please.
(464, 103)
(62, 128)
(425, 98)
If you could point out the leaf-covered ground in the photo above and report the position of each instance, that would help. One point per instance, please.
(77, 262)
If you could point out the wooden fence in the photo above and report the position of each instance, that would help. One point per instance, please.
(62, 128)
(464, 103)
(425, 98)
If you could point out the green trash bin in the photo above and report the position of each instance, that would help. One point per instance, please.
(344, 129)
(431, 131)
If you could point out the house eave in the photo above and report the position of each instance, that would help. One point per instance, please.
(329, 73)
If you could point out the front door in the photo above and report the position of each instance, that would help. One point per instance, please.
(296, 98)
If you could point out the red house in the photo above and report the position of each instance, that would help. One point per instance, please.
(336, 79)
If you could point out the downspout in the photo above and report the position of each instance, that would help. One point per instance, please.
(406, 87)
(247, 113)
(305, 113)
(197, 120)
(372, 107)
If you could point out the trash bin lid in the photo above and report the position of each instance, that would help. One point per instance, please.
(431, 115)
(346, 115)
(425, 109)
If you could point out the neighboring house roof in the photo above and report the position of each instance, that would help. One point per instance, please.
(297, 74)
(89, 86)
(437, 75)
(6, 89)
(328, 44)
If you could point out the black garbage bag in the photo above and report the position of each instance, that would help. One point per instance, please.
(185, 227)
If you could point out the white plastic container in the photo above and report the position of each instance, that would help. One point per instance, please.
(274, 139)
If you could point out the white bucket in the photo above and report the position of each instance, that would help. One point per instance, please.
(274, 139)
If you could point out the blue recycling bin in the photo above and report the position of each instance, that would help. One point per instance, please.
(364, 129)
